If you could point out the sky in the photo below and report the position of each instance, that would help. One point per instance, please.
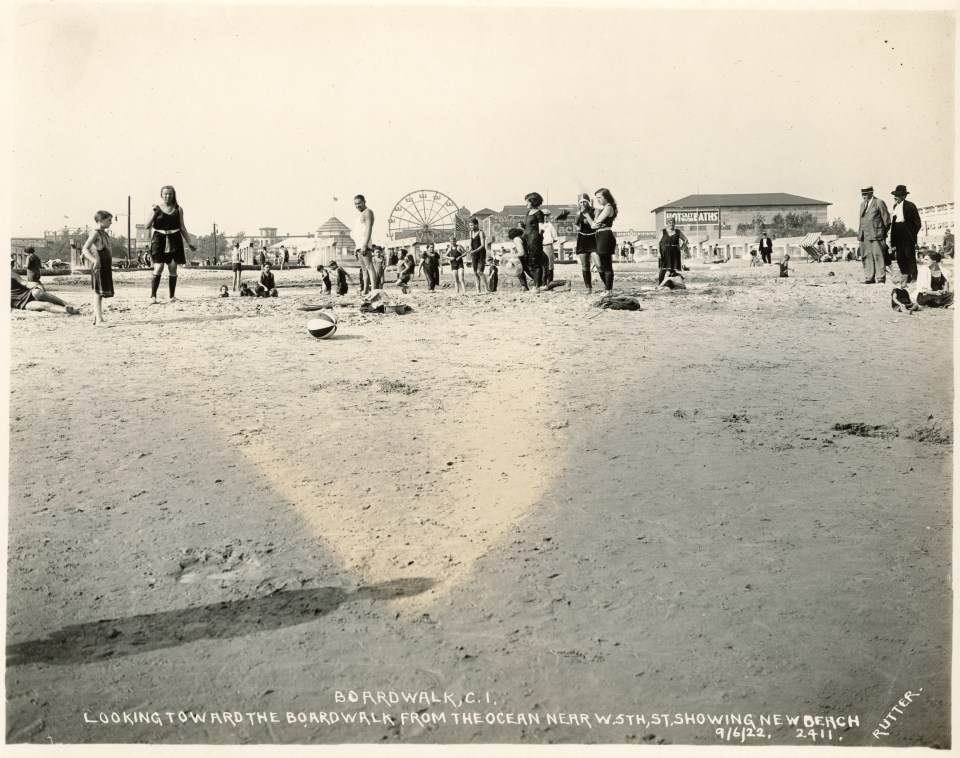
(260, 115)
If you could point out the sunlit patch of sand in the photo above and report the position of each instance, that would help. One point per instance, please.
(416, 485)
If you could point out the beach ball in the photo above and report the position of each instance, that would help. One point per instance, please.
(323, 326)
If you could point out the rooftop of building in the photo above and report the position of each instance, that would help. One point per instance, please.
(521, 210)
(333, 227)
(741, 201)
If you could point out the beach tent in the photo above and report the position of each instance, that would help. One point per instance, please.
(809, 245)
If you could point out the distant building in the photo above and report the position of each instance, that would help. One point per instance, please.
(267, 236)
(936, 220)
(496, 224)
(332, 243)
(717, 216)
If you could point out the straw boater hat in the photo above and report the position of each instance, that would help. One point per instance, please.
(900, 191)
(865, 190)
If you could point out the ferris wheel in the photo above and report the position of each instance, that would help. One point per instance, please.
(423, 216)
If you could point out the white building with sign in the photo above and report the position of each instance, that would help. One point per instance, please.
(702, 217)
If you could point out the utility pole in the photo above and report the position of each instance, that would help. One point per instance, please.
(128, 231)
(214, 244)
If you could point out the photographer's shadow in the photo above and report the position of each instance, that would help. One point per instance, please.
(98, 640)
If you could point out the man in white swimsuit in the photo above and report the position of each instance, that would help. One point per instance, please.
(362, 234)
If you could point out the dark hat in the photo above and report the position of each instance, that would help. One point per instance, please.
(865, 190)
(900, 190)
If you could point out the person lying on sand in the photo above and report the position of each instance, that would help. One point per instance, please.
(245, 290)
(673, 281)
(32, 296)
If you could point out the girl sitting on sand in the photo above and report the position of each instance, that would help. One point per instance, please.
(932, 288)
(785, 266)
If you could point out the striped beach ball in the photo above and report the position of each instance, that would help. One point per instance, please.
(322, 326)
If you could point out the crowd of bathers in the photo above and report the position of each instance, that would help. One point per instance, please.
(529, 257)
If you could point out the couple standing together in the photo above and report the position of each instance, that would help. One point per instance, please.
(876, 222)
(595, 236)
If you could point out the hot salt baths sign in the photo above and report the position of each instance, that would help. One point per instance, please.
(695, 216)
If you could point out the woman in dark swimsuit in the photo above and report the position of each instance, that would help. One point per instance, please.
(430, 261)
(586, 239)
(478, 255)
(169, 236)
(672, 242)
(533, 238)
(606, 240)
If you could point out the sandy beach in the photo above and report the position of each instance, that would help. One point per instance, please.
(735, 502)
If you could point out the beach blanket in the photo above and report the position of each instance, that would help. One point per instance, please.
(619, 303)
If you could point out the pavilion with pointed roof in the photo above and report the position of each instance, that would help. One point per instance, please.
(333, 243)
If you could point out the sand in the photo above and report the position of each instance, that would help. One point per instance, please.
(735, 503)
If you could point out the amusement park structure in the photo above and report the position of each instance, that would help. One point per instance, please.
(425, 216)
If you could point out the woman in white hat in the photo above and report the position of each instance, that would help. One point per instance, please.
(586, 238)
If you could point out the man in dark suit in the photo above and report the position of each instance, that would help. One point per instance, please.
(905, 225)
(874, 224)
(766, 248)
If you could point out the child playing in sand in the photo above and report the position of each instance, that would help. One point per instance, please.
(785, 266)
(755, 259)
(379, 260)
(224, 290)
(342, 278)
(245, 290)
(493, 278)
(404, 271)
(324, 278)
(267, 286)
(97, 250)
